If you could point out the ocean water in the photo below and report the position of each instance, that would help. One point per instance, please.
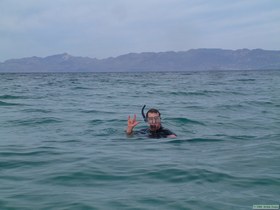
(63, 145)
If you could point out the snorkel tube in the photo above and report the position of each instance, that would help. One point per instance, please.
(143, 113)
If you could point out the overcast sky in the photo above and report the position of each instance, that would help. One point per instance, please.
(104, 28)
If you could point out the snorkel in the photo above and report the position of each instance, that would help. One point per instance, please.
(143, 113)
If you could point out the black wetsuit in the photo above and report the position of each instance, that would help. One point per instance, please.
(160, 133)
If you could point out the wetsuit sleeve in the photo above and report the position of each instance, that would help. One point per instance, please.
(167, 132)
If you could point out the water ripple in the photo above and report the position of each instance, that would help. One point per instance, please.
(35, 121)
(66, 148)
(2, 103)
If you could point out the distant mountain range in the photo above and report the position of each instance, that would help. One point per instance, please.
(191, 60)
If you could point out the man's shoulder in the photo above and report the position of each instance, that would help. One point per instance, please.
(167, 131)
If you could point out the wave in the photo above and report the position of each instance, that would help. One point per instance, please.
(95, 176)
(176, 175)
(83, 178)
(106, 132)
(260, 103)
(95, 111)
(96, 122)
(197, 93)
(183, 120)
(245, 80)
(11, 97)
(193, 140)
(2, 103)
(207, 93)
(81, 88)
(23, 163)
(37, 110)
(35, 121)
(32, 153)
(232, 107)
(249, 181)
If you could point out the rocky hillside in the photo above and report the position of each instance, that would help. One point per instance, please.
(191, 60)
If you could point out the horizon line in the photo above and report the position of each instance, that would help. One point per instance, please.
(66, 53)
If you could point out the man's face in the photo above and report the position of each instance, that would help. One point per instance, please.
(154, 121)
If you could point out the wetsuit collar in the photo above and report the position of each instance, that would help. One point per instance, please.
(158, 130)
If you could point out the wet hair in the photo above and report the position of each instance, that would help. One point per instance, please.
(152, 111)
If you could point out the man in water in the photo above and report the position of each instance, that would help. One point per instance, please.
(155, 129)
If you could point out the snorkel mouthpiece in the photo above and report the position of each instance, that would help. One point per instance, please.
(153, 127)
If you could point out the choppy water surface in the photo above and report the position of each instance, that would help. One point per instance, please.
(63, 146)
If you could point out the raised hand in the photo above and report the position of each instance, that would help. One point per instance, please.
(131, 123)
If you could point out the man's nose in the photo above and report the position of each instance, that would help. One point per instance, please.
(153, 121)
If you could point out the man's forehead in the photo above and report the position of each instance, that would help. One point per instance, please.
(153, 114)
